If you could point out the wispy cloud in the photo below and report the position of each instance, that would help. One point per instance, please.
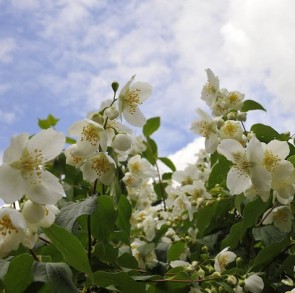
(71, 51)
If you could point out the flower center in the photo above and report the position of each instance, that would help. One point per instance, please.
(270, 160)
(233, 98)
(132, 100)
(230, 129)
(6, 226)
(100, 165)
(30, 163)
(205, 128)
(90, 133)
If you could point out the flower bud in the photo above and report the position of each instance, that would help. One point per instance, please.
(231, 280)
(242, 116)
(231, 116)
(33, 212)
(122, 142)
(115, 86)
(112, 113)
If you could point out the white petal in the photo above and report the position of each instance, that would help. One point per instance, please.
(237, 182)
(12, 184)
(145, 89)
(229, 148)
(16, 148)
(135, 118)
(49, 141)
(280, 148)
(77, 127)
(211, 143)
(261, 178)
(254, 284)
(47, 191)
(254, 150)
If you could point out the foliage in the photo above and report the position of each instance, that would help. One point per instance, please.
(128, 221)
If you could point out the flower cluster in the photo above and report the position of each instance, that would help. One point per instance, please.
(107, 213)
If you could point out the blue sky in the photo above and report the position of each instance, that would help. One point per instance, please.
(61, 56)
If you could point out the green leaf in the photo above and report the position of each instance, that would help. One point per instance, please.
(70, 247)
(104, 218)
(72, 210)
(266, 255)
(268, 234)
(151, 152)
(106, 252)
(151, 126)
(70, 140)
(265, 133)
(19, 273)
(50, 121)
(211, 216)
(124, 214)
(251, 213)
(127, 260)
(168, 163)
(58, 276)
(219, 172)
(249, 105)
(292, 160)
(122, 281)
(175, 250)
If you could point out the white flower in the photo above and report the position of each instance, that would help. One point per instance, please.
(99, 166)
(23, 172)
(179, 263)
(281, 217)
(223, 258)
(247, 169)
(234, 100)
(211, 88)
(91, 136)
(39, 215)
(231, 129)
(74, 156)
(206, 127)
(254, 284)
(12, 230)
(130, 97)
(140, 167)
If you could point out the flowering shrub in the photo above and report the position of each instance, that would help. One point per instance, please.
(101, 215)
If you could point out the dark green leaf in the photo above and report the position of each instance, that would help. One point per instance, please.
(20, 266)
(219, 172)
(58, 276)
(70, 140)
(249, 105)
(104, 218)
(72, 210)
(124, 214)
(265, 133)
(70, 247)
(106, 252)
(266, 255)
(151, 126)
(175, 250)
(168, 163)
(251, 213)
(268, 234)
(127, 260)
(121, 281)
(292, 160)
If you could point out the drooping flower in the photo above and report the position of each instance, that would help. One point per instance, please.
(12, 230)
(130, 97)
(23, 171)
(281, 217)
(206, 127)
(223, 258)
(247, 170)
(254, 284)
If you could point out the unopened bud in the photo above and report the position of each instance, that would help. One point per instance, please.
(242, 116)
(122, 142)
(239, 261)
(232, 280)
(231, 116)
(112, 113)
(115, 86)
(216, 275)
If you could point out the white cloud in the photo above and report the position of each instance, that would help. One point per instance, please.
(187, 155)
(7, 47)
(7, 117)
